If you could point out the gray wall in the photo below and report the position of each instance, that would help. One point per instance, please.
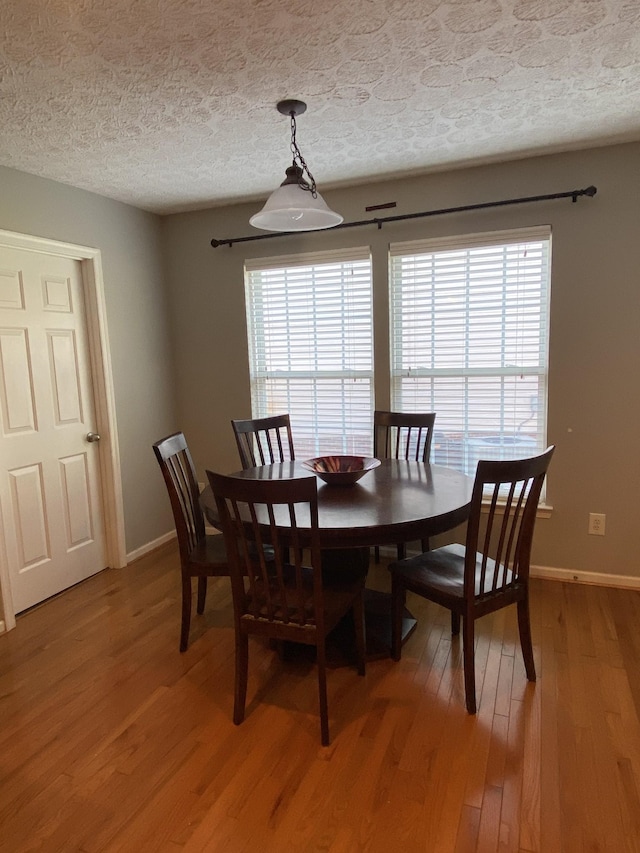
(138, 322)
(594, 405)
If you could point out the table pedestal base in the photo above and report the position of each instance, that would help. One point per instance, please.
(340, 642)
(336, 564)
(377, 615)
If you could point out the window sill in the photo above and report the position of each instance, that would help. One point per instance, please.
(543, 511)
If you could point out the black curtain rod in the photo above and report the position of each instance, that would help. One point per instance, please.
(572, 194)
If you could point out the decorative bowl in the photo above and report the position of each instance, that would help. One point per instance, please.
(341, 470)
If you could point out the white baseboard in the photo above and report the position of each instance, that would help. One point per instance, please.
(150, 546)
(595, 578)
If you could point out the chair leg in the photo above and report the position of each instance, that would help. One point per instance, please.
(202, 594)
(376, 554)
(186, 613)
(322, 689)
(242, 667)
(524, 628)
(398, 597)
(455, 622)
(359, 627)
(401, 550)
(468, 654)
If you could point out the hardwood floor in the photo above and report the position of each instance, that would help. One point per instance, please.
(111, 740)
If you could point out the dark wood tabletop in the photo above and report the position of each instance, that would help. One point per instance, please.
(399, 501)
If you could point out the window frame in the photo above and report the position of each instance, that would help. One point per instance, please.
(352, 426)
(468, 243)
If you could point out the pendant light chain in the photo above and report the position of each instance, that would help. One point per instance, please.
(299, 159)
(296, 205)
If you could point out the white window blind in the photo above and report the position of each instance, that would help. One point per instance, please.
(309, 322)
(469, 341)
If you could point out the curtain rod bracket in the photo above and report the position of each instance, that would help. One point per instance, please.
(572, 194)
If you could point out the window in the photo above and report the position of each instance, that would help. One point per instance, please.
(310, 329)
(469, 332)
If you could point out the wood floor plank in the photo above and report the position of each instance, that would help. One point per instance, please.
(468, 827)
(546, 689)
(489, 829)
(530, 815)
(476, 781)
(514, 768)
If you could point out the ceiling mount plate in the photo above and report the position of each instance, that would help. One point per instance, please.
(291, 107)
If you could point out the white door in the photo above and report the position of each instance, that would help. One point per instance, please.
(50, 496)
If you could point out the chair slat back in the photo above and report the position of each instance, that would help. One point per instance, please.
(403, 435)
(282, 589)
(179, 475)
(502, 534)
(264, 441)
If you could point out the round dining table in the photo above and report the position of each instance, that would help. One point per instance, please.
(398, 501)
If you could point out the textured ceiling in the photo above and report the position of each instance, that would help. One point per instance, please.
(170, 104)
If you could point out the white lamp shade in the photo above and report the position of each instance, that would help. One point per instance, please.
(290, 208)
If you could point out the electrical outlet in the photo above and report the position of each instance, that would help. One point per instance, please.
(597, 523)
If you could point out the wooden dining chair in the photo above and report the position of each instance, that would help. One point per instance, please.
(491, 570)
(263, 441)
(282, 600)
(403, 435)
(202, 555)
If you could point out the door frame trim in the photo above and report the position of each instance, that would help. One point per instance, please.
(104, 399)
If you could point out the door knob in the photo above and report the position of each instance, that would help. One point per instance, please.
(93, 436)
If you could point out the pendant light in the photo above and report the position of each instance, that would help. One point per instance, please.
(296, 205)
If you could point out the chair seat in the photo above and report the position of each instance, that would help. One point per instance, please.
(336, 599)
(209, 555)
(442, 571)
